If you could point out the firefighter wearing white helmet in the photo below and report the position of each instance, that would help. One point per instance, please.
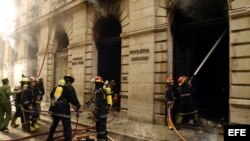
(28, 106)
(24, 85)
(61, 95)
(103, 100)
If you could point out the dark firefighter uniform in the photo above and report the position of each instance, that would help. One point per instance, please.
(103, 99)
(186, 105)
(115, 96)
(41, 91)
(29, 110)
(24, 82)
(35, 97)
(61, 96)
(169, 100)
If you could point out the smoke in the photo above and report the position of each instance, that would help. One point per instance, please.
(202, 9)
(99, 7)
(30, 40)
(10, 41)
(8, 17)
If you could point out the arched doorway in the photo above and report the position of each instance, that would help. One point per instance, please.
(196, 26)
(107, 30)
(61, 53)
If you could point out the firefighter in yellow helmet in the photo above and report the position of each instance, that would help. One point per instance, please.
(103, 100)
(62, 95)
(29, 107)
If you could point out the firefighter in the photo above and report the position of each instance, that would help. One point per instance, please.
(35, 97)
(103, 99)
(41, 91)
(24, 81)
(28, 106)
(116, 97)
(61, 95)
(5, 105)
(186, 105)
(169, 100)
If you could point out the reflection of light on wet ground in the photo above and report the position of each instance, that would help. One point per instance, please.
(122, 129)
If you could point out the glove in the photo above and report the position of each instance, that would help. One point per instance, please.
(116, 98)
(30, 108)
(170, 104)
(78, 108)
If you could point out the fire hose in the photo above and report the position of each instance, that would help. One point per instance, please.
(59, 131)
(49, 34)
(175, 130)
(37, 135)
(207, 56)
(189, 81)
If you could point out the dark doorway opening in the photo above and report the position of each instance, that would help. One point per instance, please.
(61, 38)
(196, 26)
(107, 32)
(61, 56)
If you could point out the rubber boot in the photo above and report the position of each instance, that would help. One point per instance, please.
(196, 120)
(31, 128)
(36, 125)
(13, 122)
(178, 122)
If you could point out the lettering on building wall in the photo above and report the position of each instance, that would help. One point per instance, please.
(139, 54)
(77, 61)
(125, 78)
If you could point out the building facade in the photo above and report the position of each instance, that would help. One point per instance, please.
(139, 43)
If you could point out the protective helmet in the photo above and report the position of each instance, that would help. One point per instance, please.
(32, 79)
(182, 79)
(70, 78)
(97, 79)
(25, 80)
(39, 79)
(170, 79)
(61, 82)
(106, 82)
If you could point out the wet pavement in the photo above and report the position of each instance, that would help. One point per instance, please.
(120, 129)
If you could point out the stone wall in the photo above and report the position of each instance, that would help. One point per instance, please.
(146, 53)
(239, 62)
